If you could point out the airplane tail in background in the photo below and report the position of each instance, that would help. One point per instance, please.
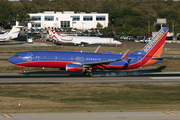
(155, 46)
(59, 37)
(14, 31)
(53, 34)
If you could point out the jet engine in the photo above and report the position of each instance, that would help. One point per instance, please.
(66, 38)
(74, 68)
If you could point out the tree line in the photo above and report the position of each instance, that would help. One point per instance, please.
(130, 17)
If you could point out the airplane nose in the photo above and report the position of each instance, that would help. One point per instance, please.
(12, 60)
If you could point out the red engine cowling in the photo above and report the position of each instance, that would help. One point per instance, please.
(74, 68)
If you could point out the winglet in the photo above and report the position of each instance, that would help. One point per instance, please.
(123, 58)
(97, 49)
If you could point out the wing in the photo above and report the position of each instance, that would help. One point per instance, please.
(108, 62)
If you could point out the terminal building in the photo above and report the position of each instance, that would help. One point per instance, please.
(68, 19)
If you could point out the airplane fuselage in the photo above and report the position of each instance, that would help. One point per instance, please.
(4, 37)
(82, 40)
(61, 59)
(88, 40)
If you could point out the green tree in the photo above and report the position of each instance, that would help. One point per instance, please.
(106, 30)
(5, 12)
(19, 12)
(99, 25)
(173, 15)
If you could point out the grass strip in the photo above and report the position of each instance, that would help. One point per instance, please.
(89, 97)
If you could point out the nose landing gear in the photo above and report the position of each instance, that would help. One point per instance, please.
(24, 70)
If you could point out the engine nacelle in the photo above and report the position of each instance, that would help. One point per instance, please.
(66, 38)
(74, 68)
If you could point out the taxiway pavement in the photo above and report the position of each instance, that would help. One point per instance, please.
(108, 77)
(157, 115)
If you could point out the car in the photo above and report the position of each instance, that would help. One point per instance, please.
(148, 39)
(142, 39)
(44, 32)
(121, 37)
(92, 35)
(68, 30)
(89, 30)
(37, 31)
(73, 30)
(29, 39)
(131, 38)
(33, 35)
(28, 31)
(85, 31)
(2, 31)
(62, 30)
(79, 32)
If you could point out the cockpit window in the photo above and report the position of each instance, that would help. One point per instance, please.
(18, 55)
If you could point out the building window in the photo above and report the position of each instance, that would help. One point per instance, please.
(87, 18)
(36, 24)
(49, 18)
(75, 18)
(100, 18)
(65, 23)
(36, 18)
(56, 19)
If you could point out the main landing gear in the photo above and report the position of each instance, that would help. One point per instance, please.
(88, 73)
(82, 45)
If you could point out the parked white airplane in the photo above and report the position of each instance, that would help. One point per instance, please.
(80, 40)
(11, 35)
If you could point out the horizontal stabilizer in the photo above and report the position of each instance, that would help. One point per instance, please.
(161, 58)
(156, 58)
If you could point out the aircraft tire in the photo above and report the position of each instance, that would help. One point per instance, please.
(88, 73)
(24, 71)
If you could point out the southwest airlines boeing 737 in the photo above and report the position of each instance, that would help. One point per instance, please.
(87, 62)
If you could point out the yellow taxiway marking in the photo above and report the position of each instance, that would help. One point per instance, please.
(6, 115)
(94, 116)
(170, 113)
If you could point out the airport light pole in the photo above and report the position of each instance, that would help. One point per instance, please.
(173, 28)
(148, 28)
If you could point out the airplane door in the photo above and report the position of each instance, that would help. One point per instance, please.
(139, 60)
(34, 56)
